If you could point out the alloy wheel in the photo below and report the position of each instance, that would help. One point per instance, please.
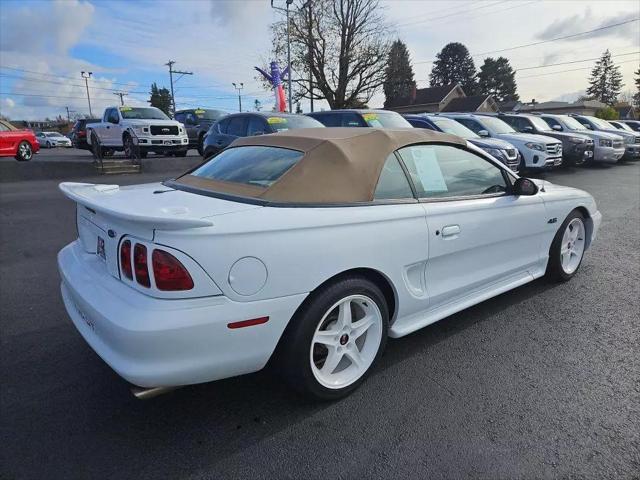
(572, 246)
(346, 341)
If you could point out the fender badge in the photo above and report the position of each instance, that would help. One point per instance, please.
(551, 220)
(111, 233)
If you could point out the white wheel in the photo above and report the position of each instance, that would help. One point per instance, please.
(572, 246)
(346, 341)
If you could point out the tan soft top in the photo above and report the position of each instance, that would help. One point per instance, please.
(340, 165)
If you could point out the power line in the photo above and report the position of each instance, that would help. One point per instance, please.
(44, 80)
(573, 61)
(545, 41)
(565, 71)
(461, 12)
(53, 75)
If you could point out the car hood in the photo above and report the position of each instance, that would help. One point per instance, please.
(527, 137)
(491, 143)
(597, 135)
(136, 121)
(622, 133)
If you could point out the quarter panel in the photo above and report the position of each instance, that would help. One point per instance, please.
(303, 247)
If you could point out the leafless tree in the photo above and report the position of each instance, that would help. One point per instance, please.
(338, 47)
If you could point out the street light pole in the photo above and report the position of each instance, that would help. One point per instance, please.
(86, 76)
(288, 2)
(238, 88)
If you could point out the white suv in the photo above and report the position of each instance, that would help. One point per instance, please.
(537, 151)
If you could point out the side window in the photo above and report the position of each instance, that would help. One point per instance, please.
(440, 171)
(256, 126)
(470, 124)
(223, 125)
(518, 124)
(393, 183)
(237, 126)
(552, 122)
(179, 117)
(585, 123)
(3, 128)
(191, 119)
(113, 116)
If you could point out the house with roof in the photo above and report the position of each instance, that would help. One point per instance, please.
(580, 107)
(422, 100)
(474, 103)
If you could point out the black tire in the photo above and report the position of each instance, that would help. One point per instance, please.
(96, 149)
(24, 153)
(209, 153)
(522, 167)
(200, 145)
(555, 271)
(180, 153)
(48, 144)
(294, 348)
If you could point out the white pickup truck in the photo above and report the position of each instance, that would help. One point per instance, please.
(122, 128)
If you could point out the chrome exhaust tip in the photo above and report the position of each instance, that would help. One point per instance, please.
(142, 393)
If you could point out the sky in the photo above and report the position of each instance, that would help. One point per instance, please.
(44, 45)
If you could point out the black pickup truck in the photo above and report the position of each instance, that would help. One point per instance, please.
(197, 122)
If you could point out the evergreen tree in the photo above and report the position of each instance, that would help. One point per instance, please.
(398, 82)
(454, 65)
(606, 80)
(160, 98)
(636, 96)
(497, 78)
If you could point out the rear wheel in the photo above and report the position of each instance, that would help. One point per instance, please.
(335, 339)
(567, 248)
(24, 152)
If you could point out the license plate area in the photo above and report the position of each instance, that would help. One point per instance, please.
(168, 142)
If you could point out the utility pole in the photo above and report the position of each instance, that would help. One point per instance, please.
(69, 112)
(288, 2)
(238, 88)
(121, 95)
(309, 5)
(86, 76)
(170, 64)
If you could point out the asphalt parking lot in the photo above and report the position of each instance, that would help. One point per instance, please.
(540, 382)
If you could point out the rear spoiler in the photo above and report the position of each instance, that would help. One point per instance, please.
(99, 198)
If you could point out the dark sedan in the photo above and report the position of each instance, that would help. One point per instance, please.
(226, 130)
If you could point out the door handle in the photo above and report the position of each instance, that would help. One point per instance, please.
(450, 230)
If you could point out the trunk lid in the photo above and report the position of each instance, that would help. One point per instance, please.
(106, 213)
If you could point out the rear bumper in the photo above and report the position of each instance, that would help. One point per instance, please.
(156, 342)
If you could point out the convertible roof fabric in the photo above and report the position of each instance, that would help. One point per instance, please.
(339, 165)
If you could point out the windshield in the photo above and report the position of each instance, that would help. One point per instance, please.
(142, 113)
(290, 122)
(496, 125)
(385, 120)
(250, 165)
(454, 128)
(539, 123)
(621, 126)
(209, 114)
(603, 124)
(573, 124)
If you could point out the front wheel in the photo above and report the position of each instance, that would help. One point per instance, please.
(129, 147)
(335, 339)
(48, 145)
(567, 248)
(24, 152)
(200, 145)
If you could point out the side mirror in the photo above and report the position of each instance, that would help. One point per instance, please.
(524, 186)
(557, 128)
(483, 133)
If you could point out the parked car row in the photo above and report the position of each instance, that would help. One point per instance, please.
(520, 141)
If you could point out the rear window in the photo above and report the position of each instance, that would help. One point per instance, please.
(282, 123)
(250, 165)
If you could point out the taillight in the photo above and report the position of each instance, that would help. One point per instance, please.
(125, 259)
(169, 273)
(140, 265)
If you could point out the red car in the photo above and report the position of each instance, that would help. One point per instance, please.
(21, 144)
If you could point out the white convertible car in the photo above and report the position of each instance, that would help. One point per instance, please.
(307, 248)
